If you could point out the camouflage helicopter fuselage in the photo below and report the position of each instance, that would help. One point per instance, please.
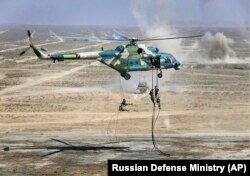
(124, 58)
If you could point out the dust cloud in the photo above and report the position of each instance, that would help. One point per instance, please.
(155, 18)
(217, 47)
(149, 16)
(153, 21)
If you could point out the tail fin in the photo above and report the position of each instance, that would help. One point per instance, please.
(37, 51)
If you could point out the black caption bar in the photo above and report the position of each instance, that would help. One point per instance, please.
(178, 167)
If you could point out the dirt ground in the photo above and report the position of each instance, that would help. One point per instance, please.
(71, 108)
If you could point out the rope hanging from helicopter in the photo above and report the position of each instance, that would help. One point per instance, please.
(120, 109)
(155, 98)
(116, 115)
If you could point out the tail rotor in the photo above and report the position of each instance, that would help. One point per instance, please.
(31, 44)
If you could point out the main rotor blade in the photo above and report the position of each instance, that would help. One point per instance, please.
(120, 38)
(160, 36)
(170, 38)
(121, 35)
(95, 39)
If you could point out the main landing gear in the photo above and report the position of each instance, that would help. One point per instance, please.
(159, 75)
(126, 76)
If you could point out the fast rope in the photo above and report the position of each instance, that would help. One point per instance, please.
(116, 115)
(113, 117)
(154, 93)
(121, 87)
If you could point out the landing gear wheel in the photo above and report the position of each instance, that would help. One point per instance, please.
(126, 76)
(159, 75)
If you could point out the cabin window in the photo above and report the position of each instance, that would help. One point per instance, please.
(168, 60)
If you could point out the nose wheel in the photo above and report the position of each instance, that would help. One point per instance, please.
(126, 76)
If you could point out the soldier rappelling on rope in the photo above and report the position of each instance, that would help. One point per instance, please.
(152, 96)
(157, 97)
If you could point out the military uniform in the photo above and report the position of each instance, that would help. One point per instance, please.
(122, 105)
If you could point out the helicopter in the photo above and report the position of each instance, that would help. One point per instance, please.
(124, 58)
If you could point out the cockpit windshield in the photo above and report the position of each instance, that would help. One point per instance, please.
(171, 57)
(119, 48)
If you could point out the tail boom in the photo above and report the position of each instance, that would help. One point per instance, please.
(65, 56)
(75, 56)
(59, 56)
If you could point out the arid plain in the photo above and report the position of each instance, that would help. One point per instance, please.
(205, 109)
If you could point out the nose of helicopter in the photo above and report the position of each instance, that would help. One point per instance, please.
(177, 65)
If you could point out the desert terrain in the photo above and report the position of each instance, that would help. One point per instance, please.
(205, 109)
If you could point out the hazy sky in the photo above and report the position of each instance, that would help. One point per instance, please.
(119, 12)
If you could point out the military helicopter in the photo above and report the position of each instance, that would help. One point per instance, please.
(124, 58)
